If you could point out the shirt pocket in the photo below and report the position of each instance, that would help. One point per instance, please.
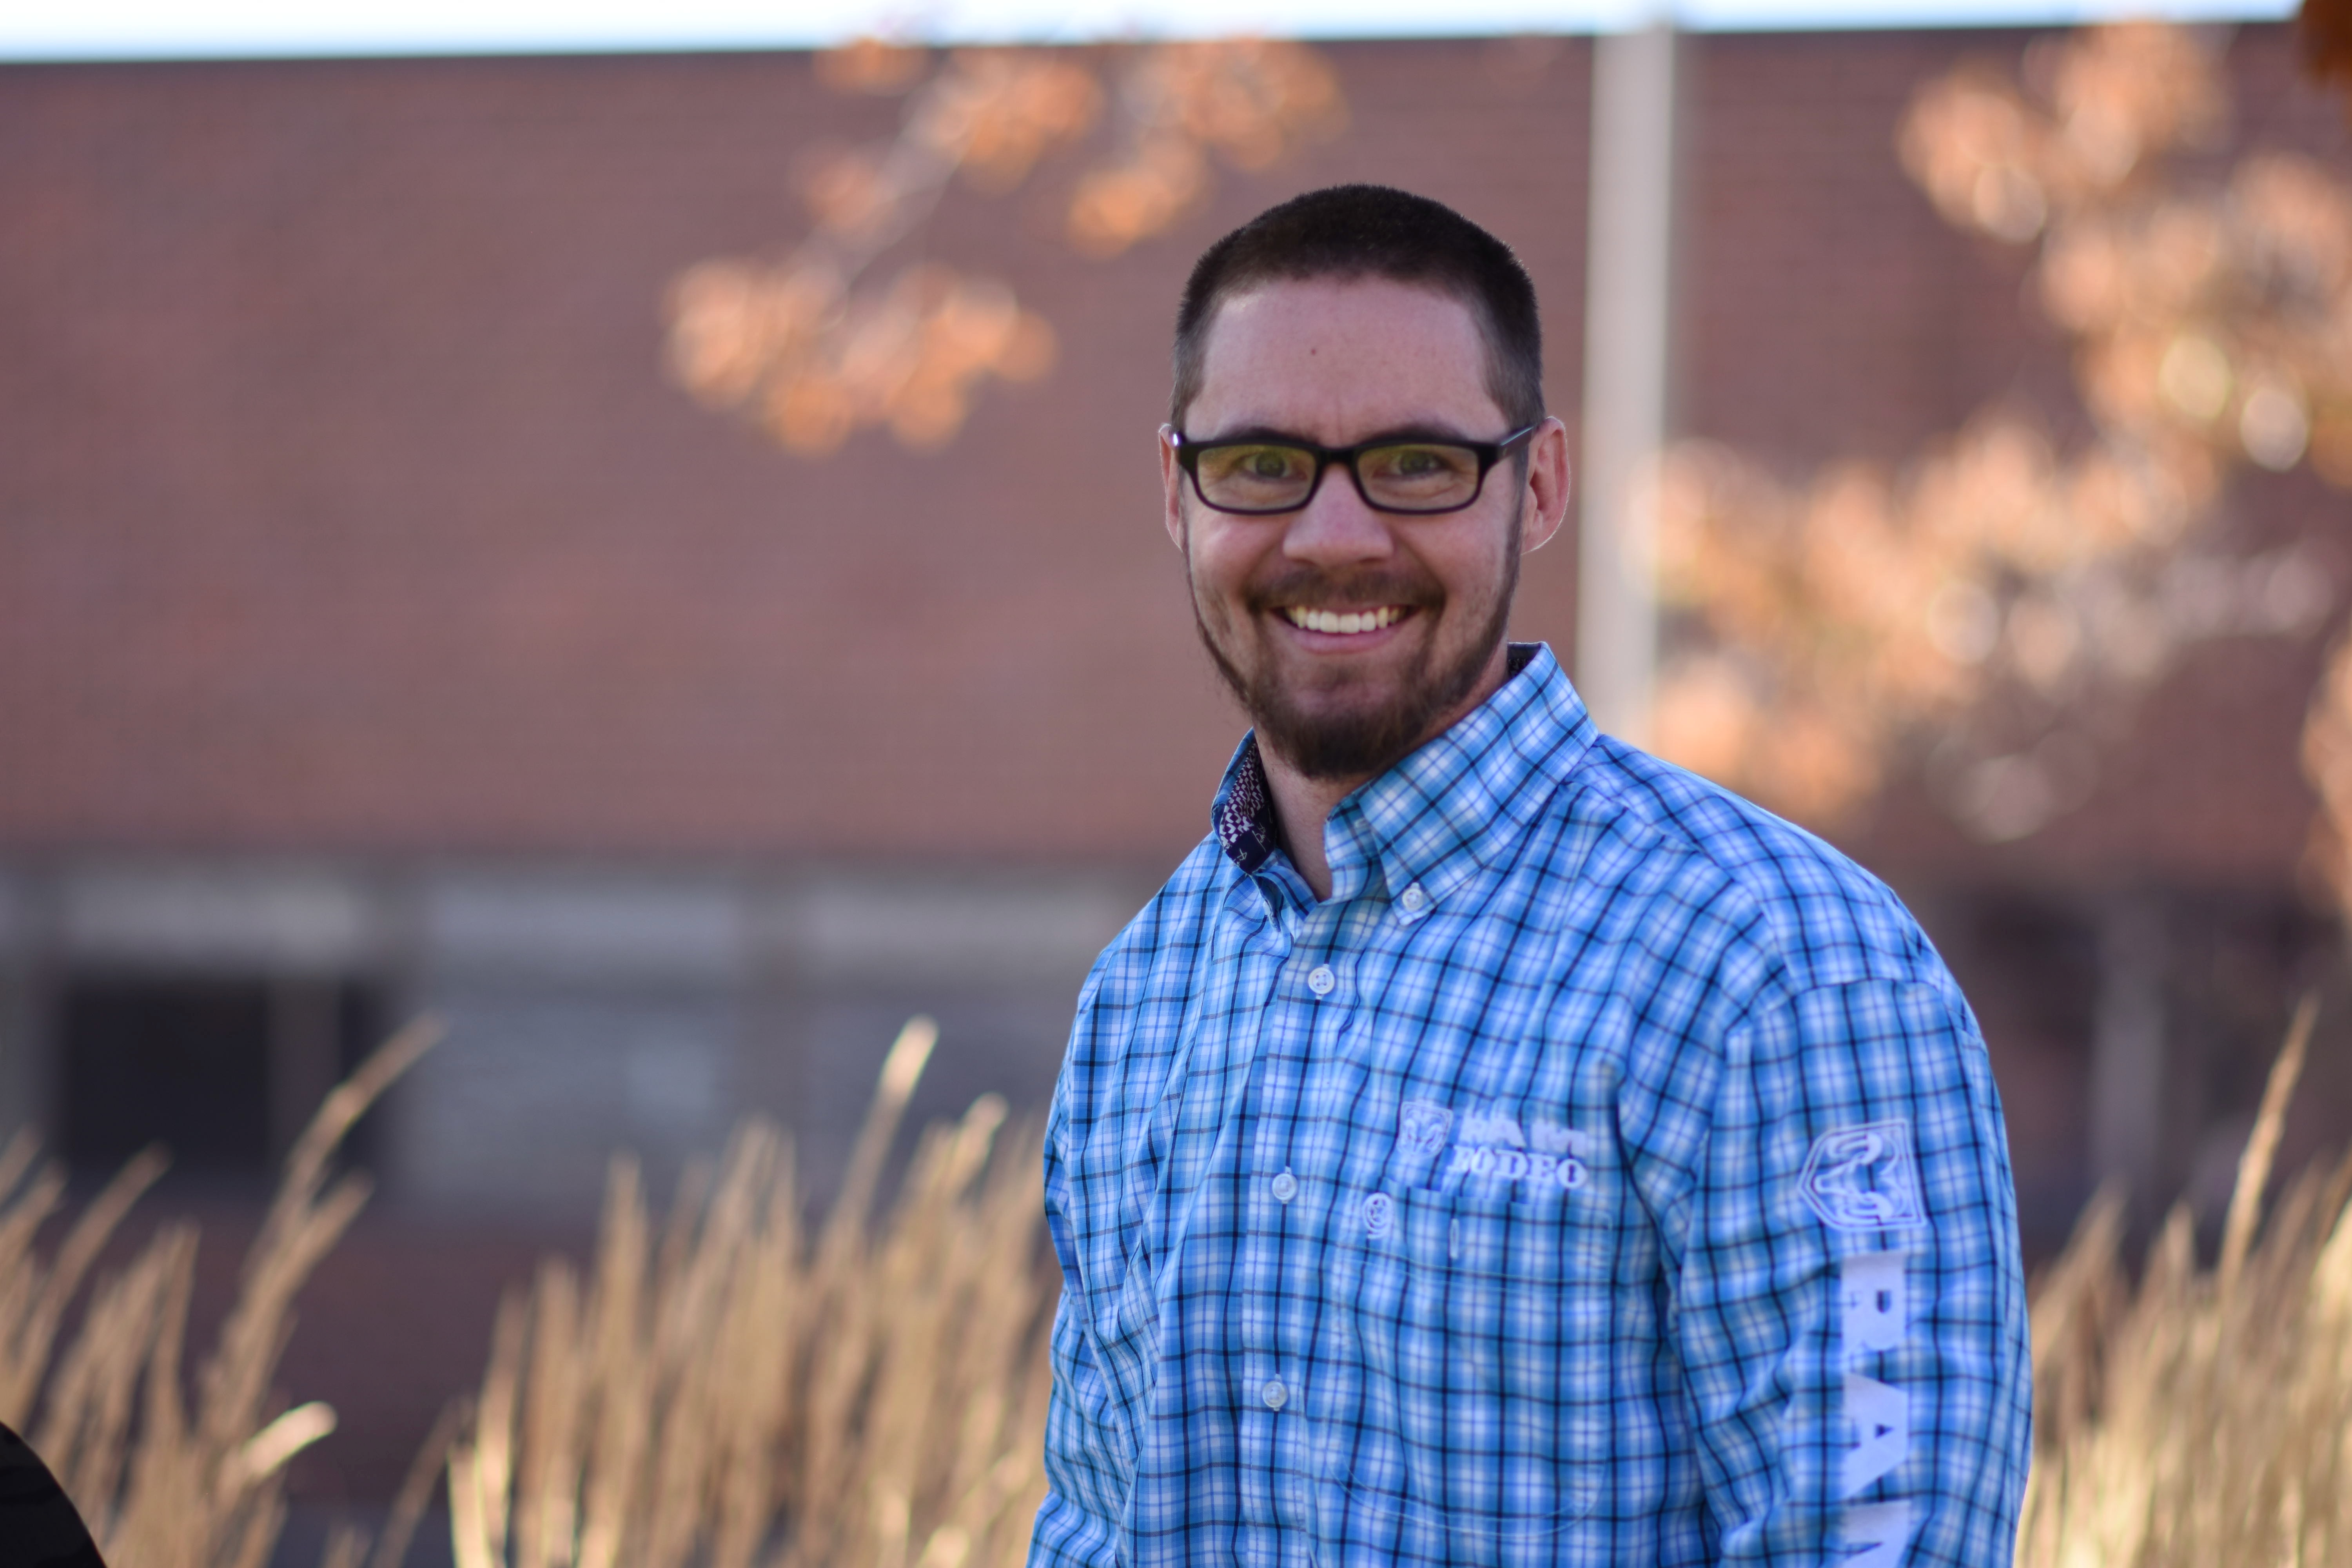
(1473, 1331)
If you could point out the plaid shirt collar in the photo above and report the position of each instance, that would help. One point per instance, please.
(1448, 808)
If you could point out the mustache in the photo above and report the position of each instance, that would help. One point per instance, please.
(1310, 588)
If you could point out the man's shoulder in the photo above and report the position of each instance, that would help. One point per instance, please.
(1825, 917)
(1149, 968)
(1175, 915)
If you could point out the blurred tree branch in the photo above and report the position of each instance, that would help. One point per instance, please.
(811, 350)
(1995, 611)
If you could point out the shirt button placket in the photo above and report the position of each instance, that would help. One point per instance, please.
(1263, 1341)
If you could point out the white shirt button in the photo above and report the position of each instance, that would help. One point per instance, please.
(1320, 980)
(1285, 1187)
(1413, 898)
(1273, 1393)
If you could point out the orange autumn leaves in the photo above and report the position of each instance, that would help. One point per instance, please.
(811, 350)
(812, 364)
(1249, 101)
(1994, 610)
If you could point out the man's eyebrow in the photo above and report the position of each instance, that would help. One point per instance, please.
(1249, 432)
(1416, 430)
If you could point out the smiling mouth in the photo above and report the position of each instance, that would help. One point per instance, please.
(1345, 622)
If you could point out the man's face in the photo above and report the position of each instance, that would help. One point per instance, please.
(1352, 635)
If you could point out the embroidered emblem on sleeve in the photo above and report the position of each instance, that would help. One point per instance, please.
(1861, 1178)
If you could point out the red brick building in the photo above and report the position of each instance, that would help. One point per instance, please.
(379, 627)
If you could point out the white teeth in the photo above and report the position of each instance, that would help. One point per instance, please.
(1348, 624)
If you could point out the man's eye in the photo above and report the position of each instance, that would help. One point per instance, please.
(1421, 462)
(1269, 463)
(1254, 466)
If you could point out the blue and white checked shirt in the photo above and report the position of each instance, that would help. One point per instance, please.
(1606, 1172)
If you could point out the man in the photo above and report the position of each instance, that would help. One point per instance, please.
(1494, 1145)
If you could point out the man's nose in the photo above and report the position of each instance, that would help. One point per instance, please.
(1335, 528)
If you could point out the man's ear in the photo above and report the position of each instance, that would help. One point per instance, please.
(1171, 488)
(1544, 500)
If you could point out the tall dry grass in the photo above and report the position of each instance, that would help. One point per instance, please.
(731, 1395)
(725, 1389)
(162, 1482)
(728, 1392)
(2205, 1418)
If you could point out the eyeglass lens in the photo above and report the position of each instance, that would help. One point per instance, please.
(1410, 476)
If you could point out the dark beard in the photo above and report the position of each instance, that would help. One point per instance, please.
(1354, 745)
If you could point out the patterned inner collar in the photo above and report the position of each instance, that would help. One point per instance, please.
(1243, 812)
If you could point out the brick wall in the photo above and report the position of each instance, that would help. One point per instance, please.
(346, 506)
(350, 509)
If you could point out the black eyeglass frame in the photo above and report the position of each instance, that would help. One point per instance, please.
(1189, 453)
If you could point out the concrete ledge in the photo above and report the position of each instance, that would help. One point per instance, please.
(585, 927)
(894, 932)
(287, 920)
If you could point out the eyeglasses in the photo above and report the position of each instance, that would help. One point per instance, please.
(1257, 474)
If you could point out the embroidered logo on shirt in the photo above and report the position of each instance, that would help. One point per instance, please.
(1551, 1138)
(1494, 1128)
(1861, 1178)
(1421, 1126)
(1493, 1145)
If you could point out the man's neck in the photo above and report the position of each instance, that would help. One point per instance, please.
(1303, 805)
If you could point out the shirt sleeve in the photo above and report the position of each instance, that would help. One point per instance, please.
(1841, 1246)
(1085, 1484)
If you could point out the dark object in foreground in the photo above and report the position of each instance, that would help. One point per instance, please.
(38, 1525)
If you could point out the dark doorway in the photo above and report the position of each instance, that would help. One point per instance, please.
(222, 1070)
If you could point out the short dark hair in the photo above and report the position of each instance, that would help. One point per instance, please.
(1373, 231)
